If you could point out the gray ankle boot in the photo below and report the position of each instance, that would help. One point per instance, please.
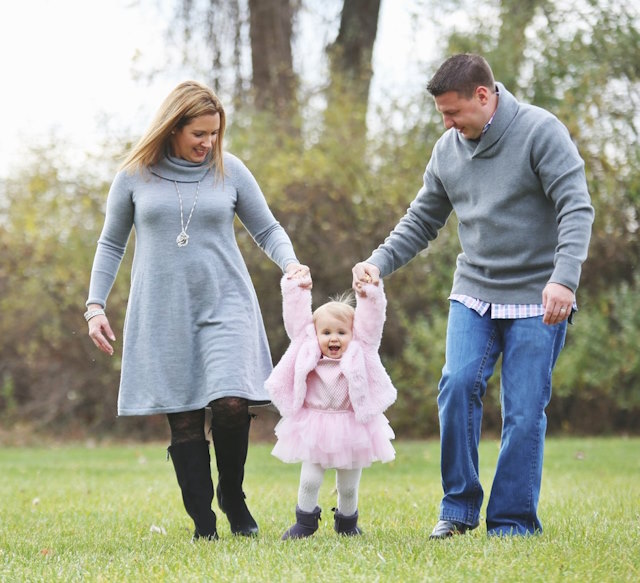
(347, 525)
(306, 524)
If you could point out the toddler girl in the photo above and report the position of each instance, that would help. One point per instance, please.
(331, 390)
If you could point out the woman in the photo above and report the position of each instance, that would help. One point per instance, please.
(193, 333)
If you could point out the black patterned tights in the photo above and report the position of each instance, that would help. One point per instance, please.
(226, 413)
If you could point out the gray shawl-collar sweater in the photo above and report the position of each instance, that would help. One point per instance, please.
(193, 329)
(521, 199)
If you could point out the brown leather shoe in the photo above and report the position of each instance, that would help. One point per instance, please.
(447, 528)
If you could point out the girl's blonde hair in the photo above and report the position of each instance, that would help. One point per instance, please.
(187, 101)
(341, 307)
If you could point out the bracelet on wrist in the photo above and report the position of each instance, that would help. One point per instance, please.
(93, 313)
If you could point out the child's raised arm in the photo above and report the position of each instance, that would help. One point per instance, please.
(296, 304)
(370, 314)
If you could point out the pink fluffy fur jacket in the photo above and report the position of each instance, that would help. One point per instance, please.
(370, 388)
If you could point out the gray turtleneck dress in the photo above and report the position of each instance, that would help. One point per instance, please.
(193, 330)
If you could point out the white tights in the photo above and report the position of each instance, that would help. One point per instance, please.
(347, 484)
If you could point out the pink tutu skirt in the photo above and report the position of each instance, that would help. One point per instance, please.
(333, 439)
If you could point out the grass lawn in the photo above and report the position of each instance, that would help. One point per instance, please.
(114, 513)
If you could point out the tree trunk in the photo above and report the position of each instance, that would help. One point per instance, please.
(516, 16)
(352, 51)
(351, 69)
(274, 80)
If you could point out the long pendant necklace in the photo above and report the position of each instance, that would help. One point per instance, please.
(183, 239)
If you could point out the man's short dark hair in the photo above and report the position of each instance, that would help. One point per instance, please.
(462, 73)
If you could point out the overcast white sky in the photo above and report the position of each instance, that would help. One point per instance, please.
(66, 67)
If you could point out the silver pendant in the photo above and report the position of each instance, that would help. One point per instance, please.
(182, 239)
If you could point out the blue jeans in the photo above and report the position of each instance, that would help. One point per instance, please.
(529, 351)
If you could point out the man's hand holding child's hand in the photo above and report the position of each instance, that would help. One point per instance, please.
(364, 273)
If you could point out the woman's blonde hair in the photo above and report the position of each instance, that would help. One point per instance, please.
(341, 307)
(186, 102)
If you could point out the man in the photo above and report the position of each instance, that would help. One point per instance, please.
(516, 182)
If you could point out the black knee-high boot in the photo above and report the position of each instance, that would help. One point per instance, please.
(192, 463)
(231, 445)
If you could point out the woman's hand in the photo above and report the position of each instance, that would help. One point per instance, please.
(301, 272)
(100, 331)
